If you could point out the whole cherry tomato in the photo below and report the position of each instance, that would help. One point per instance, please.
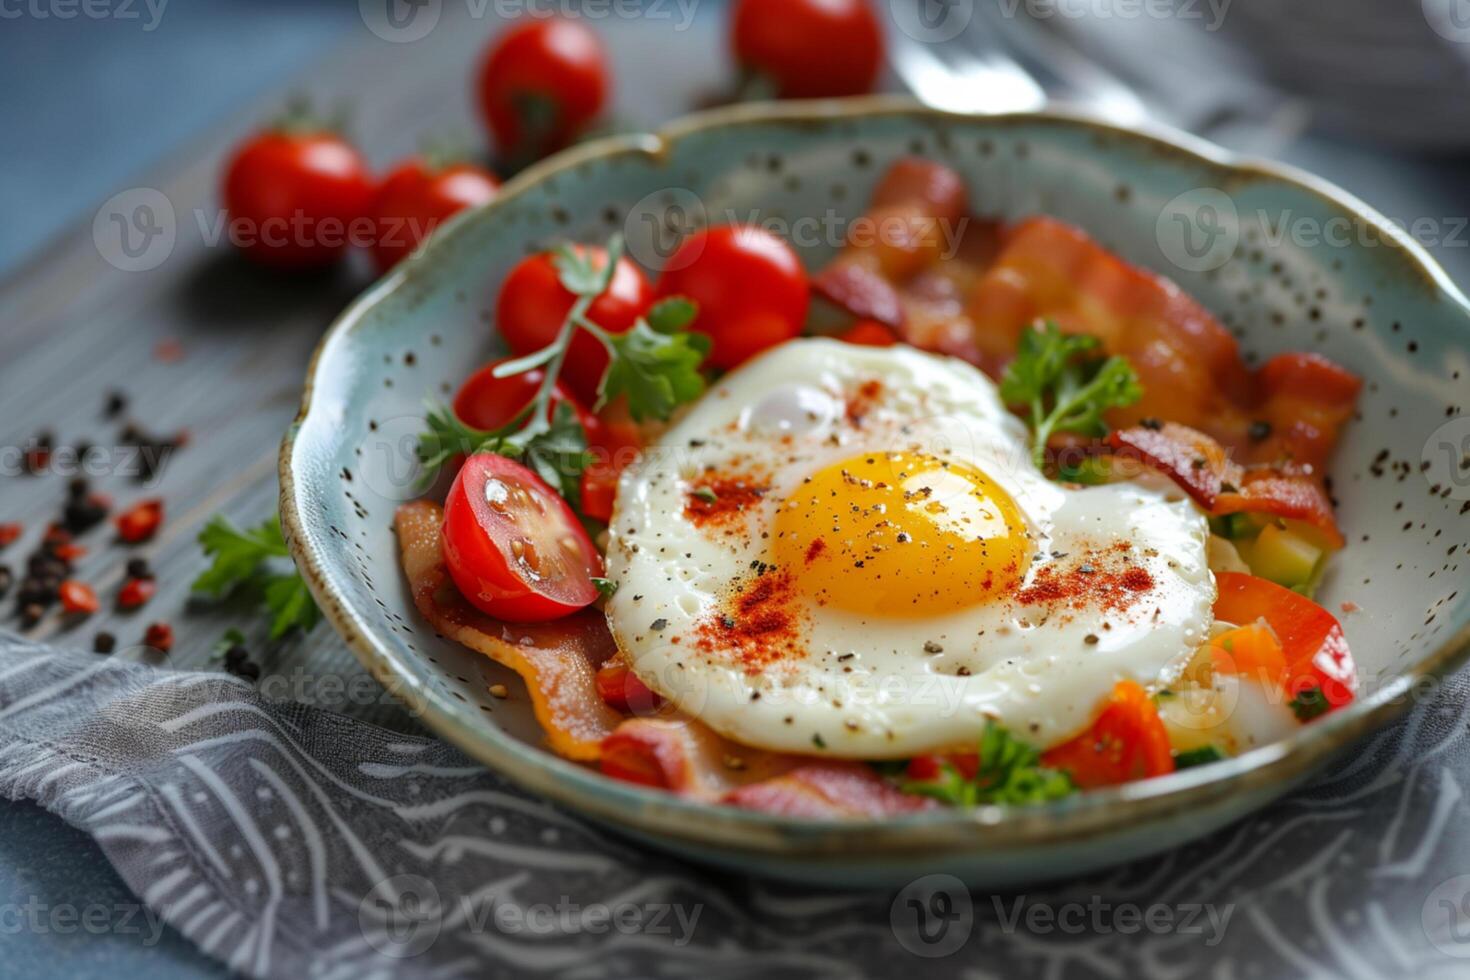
(809, 49)
(513, 546)
(542, 82)
(296, 198)
(751, 290)
(533, 305)
(416, 198)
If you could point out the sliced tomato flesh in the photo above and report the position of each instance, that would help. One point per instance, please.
(1127, 742)
(1312, 641)
(514, 548)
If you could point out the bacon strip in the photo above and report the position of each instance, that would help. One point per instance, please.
(828, 790)
(557, 660)
(1204, 470)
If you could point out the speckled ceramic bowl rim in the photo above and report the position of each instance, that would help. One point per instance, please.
(988, 828)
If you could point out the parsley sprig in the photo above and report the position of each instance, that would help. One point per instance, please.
(1009, 772)
(1063, 388)
(251, 560)
(654, 365)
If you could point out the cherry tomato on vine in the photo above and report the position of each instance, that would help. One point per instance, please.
(809, 49)
(751, 290)
(541, 83)
(417, 198)
(295, 195)
(533, 305)
(514, 547)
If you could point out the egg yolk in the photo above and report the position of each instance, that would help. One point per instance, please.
(902, 534)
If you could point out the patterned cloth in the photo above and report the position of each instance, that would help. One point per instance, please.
(293, 842)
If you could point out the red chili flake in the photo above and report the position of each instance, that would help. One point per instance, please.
(760, 627)
(8, 533)
(862, 401)
(722, 499)
(56, 536)
(1091, 584)
(69, 552)
(140, 522)
(135, 592)
(815, 549)
(78, 597)
(168, 351)
(160, 636)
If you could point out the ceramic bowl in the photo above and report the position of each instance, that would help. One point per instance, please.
(1284, 260)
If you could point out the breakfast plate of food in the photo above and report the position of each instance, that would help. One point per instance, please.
(851, 491)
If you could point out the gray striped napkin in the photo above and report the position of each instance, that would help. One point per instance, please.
(290, 842)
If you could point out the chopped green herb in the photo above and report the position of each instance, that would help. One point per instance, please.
(1009, 771)
(606, 587)
(706, 494)
(818, 741)
(1309, 704)
(1198, 757)
(1062, 388)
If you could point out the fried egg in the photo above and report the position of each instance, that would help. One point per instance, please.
(848, 551)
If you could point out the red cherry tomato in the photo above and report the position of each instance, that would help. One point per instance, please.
(136, 592)
(751, 290)
(533, 305)
(487, 402)
(622, 690)
(416, 199)
(513, 547)
(296, 200)
(869, 333)
(809, 48)
(542, 82)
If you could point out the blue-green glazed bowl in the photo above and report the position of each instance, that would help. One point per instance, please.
(1286, 261)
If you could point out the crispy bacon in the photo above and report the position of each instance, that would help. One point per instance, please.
(1203, 468)
(557, 660)
(828, 790)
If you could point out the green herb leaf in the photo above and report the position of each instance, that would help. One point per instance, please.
(705, 494)
(578, 271)
(606, 587)
(557, 451)
(1309, 704)
(290, 604)
(1009, 771)
(237, 554)
(672, 314)
(230, 638)
(1203, 755)
(1062, 388)
(657, 372)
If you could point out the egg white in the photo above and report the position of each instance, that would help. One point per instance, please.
(872, 686)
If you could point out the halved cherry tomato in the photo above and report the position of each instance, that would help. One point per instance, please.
(1127, 742)
(809, 48)
(868, 333)
(1312, 641)
(77, 598)
(140, 522)
(542, 81)
(533, 304)
(416, 198)
(295, 198)
(621, 688)
(513, 546)
(751, 290)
